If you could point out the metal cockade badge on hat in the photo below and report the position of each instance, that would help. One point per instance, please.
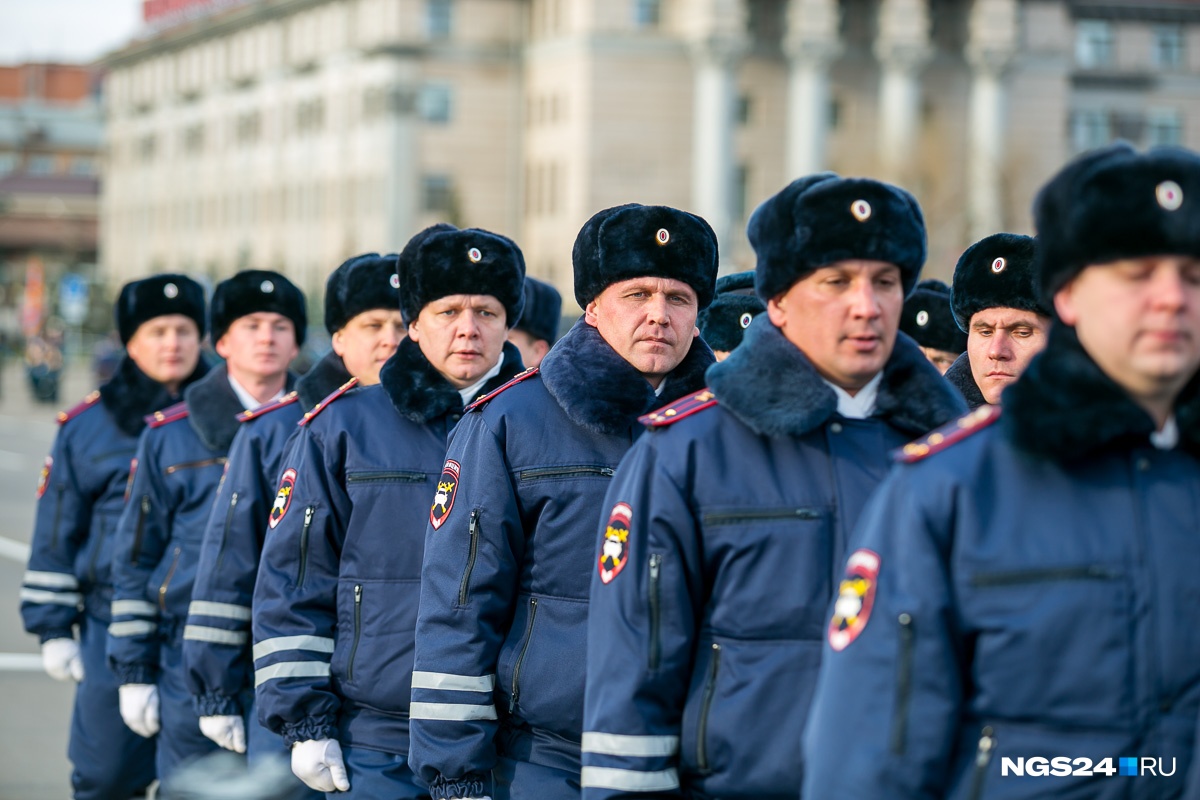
(267, 287)
(861, 210)
(394, 281)
(171, 291)
(474, 255)
(922, 318)
(999, 264)
(746, 319)
(1169, 195)
(663, 236)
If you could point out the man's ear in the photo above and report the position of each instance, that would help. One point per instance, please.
(589, 314)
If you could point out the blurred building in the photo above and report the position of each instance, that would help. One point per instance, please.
(291, 133)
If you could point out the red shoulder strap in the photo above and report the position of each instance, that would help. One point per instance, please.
(267, 408)
(685, 406)
(520, 376)
(321, 406)
(169, 414)
(72, 413)
(947, 435)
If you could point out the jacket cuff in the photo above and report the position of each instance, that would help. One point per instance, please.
(135, 673)
(472, 785)
(55, 633)
(315, 728)
(213, 704)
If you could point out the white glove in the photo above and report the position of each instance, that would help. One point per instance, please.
(139, 707)
(318, 762)
(227, 731)
(61, 659)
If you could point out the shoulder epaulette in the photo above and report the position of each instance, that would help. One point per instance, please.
(267, 408)
(683, 407)
(947, 435)
(72, 413)
(321, 406)
(520, 376)
(169, 414)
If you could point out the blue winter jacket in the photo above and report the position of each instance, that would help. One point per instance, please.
(81, 492)
(216, 640)
(508, 557)
(1019, 590)
(336, 598)
(717, 553)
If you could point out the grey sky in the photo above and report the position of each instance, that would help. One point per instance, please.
(65, 30)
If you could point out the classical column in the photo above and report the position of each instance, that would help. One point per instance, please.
(990, 48)
(902, 48)
(403, 189)
(811, 44)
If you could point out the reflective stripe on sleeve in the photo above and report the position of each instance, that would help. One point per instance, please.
(207, 608)
(628, 780)
(619, 744)
(453, 683)
(134, 608)
(134, 627)
(51, 580)
(317, 644)
(291, 669)
(203, 633)
(459, 712)
(52, 598)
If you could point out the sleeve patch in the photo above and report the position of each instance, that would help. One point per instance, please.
(44, 476)
(283, 498)
(447, 490)
(614, 549)
(856, 596)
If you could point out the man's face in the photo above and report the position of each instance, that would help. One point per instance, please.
(1139, 319)
(258, 346)
(942, 359)
(461, 335)
(1000, 343)
(533, 350)
(367, 341)
(844, 317)
(166, 348)
(650, 322)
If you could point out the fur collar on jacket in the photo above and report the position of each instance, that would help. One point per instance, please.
(1064, 407)
(772, 387)
(213, 408)
(325, 378)
(421, 394)
(960, 378)
(130, 394)
(601, 391)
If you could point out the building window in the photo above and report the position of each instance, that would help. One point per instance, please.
(82, 165)
(193, 139)
(647, 13)
(310, 115)
(1168, 46)
(1164, 127)
(40, 165)
(8, 163)
(247, 127)
(744, 109)
(435, 104)
(1093, 43)
(1090, 129)
(437, 194)
(438, 14)
(741, 192)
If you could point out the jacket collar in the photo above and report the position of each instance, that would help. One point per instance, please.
(601, 391)
(213, 408)
(771, 386)
(325, 378)
(960, 378)
(421, 394)
(132, 394)
(1064, 407)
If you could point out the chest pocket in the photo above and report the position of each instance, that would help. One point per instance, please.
(390, 513)
(783, 554)
(1072, 621)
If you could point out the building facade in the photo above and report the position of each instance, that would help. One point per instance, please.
(290, 134)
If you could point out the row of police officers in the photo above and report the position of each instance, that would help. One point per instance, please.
(635, 570)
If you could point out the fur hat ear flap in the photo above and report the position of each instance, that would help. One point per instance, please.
(996, 272)
(362, 283)
(929, 320)
(158, 296)
(543, 310)
(724, 322)
(253, 291)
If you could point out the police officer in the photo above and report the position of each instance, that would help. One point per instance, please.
(929, 321)
(498, 681)
(81, 491)
(726, 522)
(537, 330)
(258, 323)
(996, 302)
(735, 306)
(1019, 586)
(362, 315)
(336, 599)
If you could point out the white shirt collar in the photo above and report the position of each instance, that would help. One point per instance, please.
(860, 405)
(1168, 437)
(245, 398)
(468, 394)
(661, 385)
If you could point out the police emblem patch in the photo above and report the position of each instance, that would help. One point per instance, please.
(855, 597)
(283, 498)
(44, 476)
(447, 489)
(614, 550)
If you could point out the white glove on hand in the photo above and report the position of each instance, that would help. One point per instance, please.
(227, 731)
(139, 707)
(61, 659)
(318, 762)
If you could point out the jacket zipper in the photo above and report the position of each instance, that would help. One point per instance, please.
(903, 684)
(987, 743)
(162, 590)
(225, 535)
(655, 567)
(386, 477)
(140, 530)
(308, 515)
(207, 462)
(91, 570)
(564, 472)
(357, 630)
(753, 515)
(473, 534)
(1020, 576)
(126, 452)
(710, 688)
(516, 690)
(57, 517)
